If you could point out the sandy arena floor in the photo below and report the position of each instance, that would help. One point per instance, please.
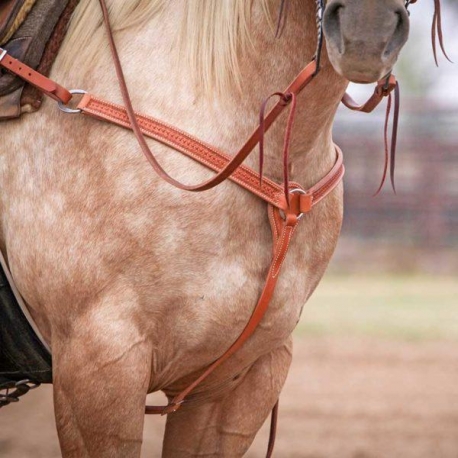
(345, 398)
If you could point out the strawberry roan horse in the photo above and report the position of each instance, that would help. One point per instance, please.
(138, 286)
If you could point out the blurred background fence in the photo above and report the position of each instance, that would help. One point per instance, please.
(416, 229)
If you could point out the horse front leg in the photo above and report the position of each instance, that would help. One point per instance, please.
(226, 427)
(101, 374)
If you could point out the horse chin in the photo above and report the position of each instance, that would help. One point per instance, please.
(360, 74)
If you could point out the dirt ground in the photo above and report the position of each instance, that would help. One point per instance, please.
(344, 398)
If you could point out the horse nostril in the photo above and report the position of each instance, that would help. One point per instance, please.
(334, 8)
(332, 25)
(400, 35)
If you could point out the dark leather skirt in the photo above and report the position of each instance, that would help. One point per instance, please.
(22, 355)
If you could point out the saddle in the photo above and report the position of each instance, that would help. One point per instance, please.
(31, 31)
(12, 15)
(23, 357)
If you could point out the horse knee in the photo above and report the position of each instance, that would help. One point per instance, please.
(99, 397)
(226, 427)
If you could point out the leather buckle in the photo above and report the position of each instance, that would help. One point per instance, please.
(304, 202)
(386, 85)
(3, 53)
(300, 202)
(65, 108)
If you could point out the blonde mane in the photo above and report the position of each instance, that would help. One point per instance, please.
(214, 34)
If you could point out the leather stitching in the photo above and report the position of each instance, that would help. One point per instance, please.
(282, 252)
(273, 222)
(270, 191)
(206, 154)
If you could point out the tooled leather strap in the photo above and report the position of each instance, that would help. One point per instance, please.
(383, 89)
(283, 228)
(296, 87)
(46, 85)
(211, 157)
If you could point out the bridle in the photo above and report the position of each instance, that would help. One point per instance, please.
(320, 6)
(436, 28)
(383, 89)
(287, 203)
(388, 84)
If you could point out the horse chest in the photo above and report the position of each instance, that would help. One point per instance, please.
(199, 283)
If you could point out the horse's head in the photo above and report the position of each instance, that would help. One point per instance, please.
(364, 37)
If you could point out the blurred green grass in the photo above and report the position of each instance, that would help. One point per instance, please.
(413, 308)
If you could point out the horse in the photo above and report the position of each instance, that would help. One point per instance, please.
(138, 286)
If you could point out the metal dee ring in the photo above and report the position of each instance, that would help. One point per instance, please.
(298, 191)
(66, 109)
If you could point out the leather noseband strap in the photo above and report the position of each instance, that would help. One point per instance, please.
(382, 90)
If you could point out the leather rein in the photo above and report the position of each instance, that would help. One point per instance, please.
(287, 203)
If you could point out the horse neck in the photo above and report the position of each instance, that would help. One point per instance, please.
(161, 86)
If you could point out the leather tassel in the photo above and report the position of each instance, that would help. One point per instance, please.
(394, 135)
(390, 151)
(288, 98)
(286, 145)
(385, 135)
(273, 431)
(262, 125)
(436, 32)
